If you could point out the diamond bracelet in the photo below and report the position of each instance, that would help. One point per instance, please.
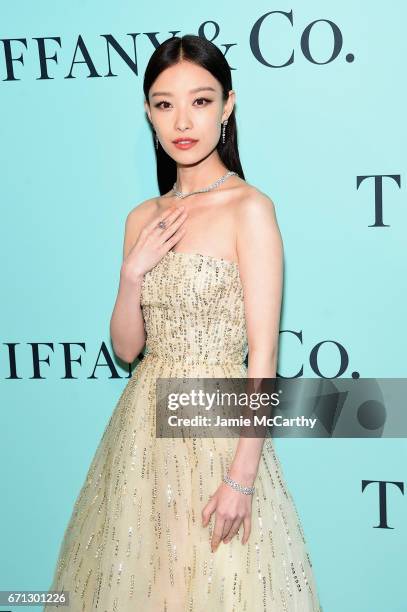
(235, 485)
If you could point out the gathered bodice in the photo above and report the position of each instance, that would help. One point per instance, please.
(193, 310)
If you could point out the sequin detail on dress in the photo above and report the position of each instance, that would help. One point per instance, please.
(135, 540)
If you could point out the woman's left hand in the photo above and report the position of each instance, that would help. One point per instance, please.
(232, 509)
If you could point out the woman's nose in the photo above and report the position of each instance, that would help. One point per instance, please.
(182, 122)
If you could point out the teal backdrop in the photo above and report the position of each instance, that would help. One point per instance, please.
(320, 106)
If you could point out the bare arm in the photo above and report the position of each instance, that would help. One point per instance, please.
(127, 324)
(260, 252)
(145, 244)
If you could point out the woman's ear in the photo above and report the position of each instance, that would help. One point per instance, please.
(147, 109)
(229, 105)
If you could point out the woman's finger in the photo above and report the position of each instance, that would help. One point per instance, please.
(166, 219)
(247, 528)
(233, 530)
(207, 511)
(217, 532)
(175, 237)
(226, 527)
(171, 229)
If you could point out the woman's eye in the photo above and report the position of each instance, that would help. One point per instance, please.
(205, 100)
(159, 104)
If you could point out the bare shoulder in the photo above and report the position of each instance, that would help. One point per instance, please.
(136, 219)
(257, 231)
(254, 204)
(142, 213)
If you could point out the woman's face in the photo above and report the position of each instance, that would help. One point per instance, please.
(185, 101)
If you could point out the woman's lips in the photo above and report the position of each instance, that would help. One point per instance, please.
(185, 145)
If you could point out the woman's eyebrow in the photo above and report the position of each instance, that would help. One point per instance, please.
(168, 93)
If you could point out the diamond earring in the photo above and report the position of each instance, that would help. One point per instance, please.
(224, 124)
(156, 140)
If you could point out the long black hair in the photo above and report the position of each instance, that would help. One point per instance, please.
(207, 55)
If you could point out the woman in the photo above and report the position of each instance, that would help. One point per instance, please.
(156, 525)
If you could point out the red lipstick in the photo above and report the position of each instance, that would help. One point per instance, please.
(184, 143)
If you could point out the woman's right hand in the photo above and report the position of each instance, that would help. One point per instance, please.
(154, 242)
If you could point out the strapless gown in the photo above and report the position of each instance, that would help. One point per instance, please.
(135, 540)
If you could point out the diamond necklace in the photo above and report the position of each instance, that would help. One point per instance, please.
(180, 194)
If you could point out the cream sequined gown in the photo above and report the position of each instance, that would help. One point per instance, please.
(135, 541)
